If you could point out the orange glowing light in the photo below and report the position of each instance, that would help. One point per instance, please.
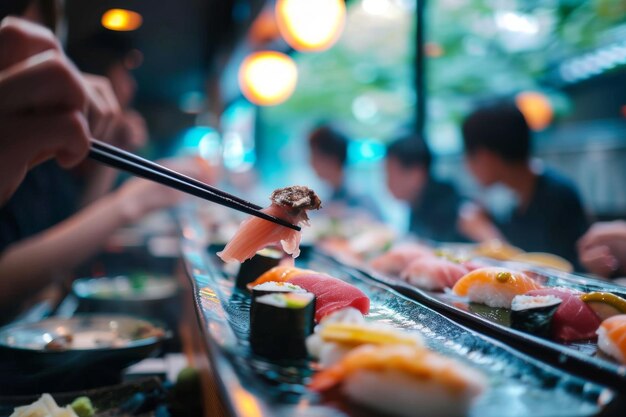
(268, 78)
(310, 25)
(536, 108)
(121, 20)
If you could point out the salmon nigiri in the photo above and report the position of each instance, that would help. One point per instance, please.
(612, 337)
(399, 380)
(495, 287)
(290, 204)
(278, 274)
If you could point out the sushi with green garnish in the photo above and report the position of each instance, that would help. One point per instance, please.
(273, 287)
(280, 323)
(533, 313)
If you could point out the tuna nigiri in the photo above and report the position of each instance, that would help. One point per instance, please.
(403, 380)
(612, 337)
(574, 319)
(433, 273)
(331, 294)
(494, 287)
(290, 204)
(396, 259)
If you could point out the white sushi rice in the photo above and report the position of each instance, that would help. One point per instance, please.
(279, 300)
(525, 302)
(486, 294)
(393, 393)
(607, 346)
(279, 287)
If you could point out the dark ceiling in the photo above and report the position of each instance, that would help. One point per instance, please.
(184, 42)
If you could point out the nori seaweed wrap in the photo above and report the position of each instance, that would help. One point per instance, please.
(280, 323)
(263, 261)
(533, 314)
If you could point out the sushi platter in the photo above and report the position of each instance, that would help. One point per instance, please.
(573, 346)
(263, 372)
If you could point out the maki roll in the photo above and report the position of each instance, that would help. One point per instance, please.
(263, 261)
(273, 287)
(533, 314)
(280, 323)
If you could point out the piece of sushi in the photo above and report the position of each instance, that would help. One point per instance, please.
(280, 324)
(290, 204)
(399, 257)
(348, 315)
(401, 380)
(534, 314)
(433, 273)
(574, 319)
(494, 287)
(340, 338)
(276, 274)
(331, 294)
(612, 337)
(273, 287)
(605, 304)
(261, 262)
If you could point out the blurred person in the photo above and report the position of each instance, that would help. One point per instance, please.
(602, 250)
(329, 153)
(42, 104)
(30, 264)
(548, 214)
(434, 204)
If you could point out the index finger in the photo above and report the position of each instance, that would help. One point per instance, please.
(21, 39)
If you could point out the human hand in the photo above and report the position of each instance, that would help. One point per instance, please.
(42, 99)
(139, 197)
(602, 250)
(599, 260)
(475, 223)
(131, 132)
(604, 233)
(104, 112)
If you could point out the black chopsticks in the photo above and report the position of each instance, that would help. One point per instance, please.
(118, 158)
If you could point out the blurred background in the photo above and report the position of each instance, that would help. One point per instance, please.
(396, 64)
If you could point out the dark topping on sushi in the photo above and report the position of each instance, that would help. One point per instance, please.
(296, 197)
(503, 277)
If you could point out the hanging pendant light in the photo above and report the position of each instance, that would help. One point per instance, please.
(268, 78)
(310, 25)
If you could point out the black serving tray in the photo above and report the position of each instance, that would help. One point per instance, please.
(582, 359)
(253, 386)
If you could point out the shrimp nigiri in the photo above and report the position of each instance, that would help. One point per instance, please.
(403, 380)
(290, 204)
(495, 287)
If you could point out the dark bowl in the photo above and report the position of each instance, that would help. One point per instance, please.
(28, 366)
(157, 297)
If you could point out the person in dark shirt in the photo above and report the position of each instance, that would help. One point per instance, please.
(549, 215)
(329, 152)
(434, 204)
